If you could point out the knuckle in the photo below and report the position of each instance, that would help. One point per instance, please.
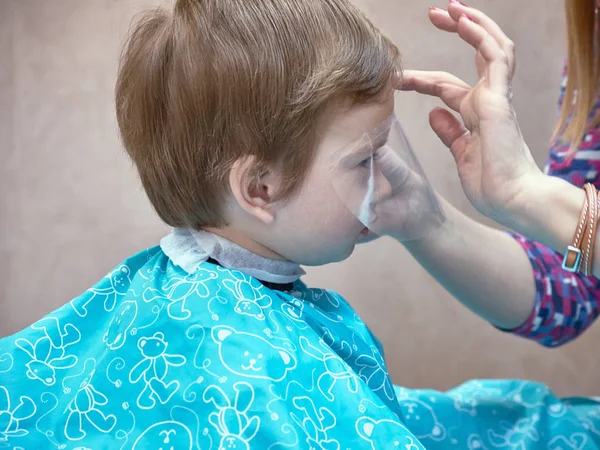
(503, 58)
(510, 46)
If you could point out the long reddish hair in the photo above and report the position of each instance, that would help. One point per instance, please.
(583, 77)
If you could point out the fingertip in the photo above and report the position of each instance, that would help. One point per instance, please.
(405, 86)
(455, 10)
(436, 114)
(434, 9)
(446, 126)
(434, 111)
(397, 79)
(405, 82)
(443, 21)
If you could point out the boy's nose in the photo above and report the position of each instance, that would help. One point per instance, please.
(383, 188)
(390, 173)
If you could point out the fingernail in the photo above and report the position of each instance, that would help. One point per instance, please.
(433, 8)
(466, 17)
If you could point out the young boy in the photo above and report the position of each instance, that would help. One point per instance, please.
(234, 112)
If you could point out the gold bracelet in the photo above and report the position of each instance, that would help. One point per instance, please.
(580, 254)
(572, 258)
(589, 240)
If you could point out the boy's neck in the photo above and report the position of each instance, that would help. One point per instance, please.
(245, 242)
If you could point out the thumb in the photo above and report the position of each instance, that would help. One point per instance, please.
(450, 130)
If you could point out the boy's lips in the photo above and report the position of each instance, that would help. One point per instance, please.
(366, 235)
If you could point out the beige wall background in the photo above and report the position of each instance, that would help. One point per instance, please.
(71, 207)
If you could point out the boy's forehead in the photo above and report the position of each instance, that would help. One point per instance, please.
(349, 122)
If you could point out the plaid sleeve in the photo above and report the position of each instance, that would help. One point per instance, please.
(566, 303)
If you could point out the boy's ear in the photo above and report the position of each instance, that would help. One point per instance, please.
(253, 188)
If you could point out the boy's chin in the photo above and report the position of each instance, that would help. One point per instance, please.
(340, 254)
(332, 258)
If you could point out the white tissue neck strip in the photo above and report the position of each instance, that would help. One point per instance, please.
(188, 248)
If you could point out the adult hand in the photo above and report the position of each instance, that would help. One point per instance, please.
(494, 163)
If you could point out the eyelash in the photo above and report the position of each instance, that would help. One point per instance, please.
(365, 162)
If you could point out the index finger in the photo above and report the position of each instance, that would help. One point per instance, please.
(447, 87)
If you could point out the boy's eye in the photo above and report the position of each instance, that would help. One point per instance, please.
(366, 163)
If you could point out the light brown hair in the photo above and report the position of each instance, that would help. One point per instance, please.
(583, 75)
(213, 81)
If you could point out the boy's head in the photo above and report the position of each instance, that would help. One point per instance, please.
(231, 110)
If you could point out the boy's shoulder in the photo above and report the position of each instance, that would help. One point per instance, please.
(150, 336)
(147, 288)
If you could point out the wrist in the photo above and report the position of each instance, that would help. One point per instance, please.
(439, 236)
(547, 210)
